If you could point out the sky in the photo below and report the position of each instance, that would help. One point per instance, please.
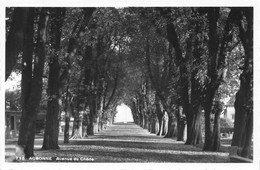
(124, 114)
(13, 82)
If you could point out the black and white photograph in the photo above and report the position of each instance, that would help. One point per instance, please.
(129, 86)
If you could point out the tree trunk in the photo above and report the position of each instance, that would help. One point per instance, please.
(30, 108)
(90, 130)
(216, 65)
(141, 118)
(161, 131)
(29, 148)
(100, 124)
(184, 75)
(242, 135)
(74, 127)
(51, 134)
(150, 126)
(132, 107)
(78, 120)
(153, 126)
(180, 124)
(164, 125)
(243, 127)
(158, 113)
(67, 126)
(93, 125)
(172, 126)
(213, 74)
(101, 112)
(195, 135)
(15, 39)
(96, 117)
(185, 90)
(159, 124)
(26, 82)
(215, 146)
(67, 116)
(152, 121)
(147, 123)
(157, 127)
(84, 131)
(208, 126)
(78, 128)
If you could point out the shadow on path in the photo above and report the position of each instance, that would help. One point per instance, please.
(130, 143)
(127, 143)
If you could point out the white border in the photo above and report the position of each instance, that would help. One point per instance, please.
(127, 3)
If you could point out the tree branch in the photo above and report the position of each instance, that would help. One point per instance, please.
(114, 89)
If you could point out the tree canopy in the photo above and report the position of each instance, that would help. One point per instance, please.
(170, 65)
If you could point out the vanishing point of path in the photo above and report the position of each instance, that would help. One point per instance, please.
(130, 143)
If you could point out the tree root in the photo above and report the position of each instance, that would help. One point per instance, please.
(77, 135)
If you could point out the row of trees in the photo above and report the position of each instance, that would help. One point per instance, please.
(80, 59)
(166, 64)
(189, 61)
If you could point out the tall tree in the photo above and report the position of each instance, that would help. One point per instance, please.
(217, 46)
(30, 106)
(67, 109)
(243, 129)
(54, 89)
(194, 135)
(181, 62)
(59, 73)
(26, 76)
(79, 30)
(15, 39)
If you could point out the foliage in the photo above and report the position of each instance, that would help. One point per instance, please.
(12, 100)
(131, 55)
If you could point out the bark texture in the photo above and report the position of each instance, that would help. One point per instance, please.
(218, 45)
(26, 82)
(27, 135)
(54, 89)
(243, 128)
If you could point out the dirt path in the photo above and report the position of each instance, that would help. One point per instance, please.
(128, 143)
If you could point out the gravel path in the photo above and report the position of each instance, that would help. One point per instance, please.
(127, 143)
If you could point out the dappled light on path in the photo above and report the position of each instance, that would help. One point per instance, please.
(129, 143)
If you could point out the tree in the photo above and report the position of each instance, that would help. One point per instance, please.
(31, 102)
(13, 100)
(52, 119)
(67, 109)
(166, 64)
(181, 62)
(243, 128)
(15, 39)
(163, 79)
(99, 56)
(58, 74)
(215, 73)
(77, 108)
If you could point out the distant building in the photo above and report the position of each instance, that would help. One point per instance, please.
(227, 119)
(12, 122)
(229, 112)
(229, 109)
